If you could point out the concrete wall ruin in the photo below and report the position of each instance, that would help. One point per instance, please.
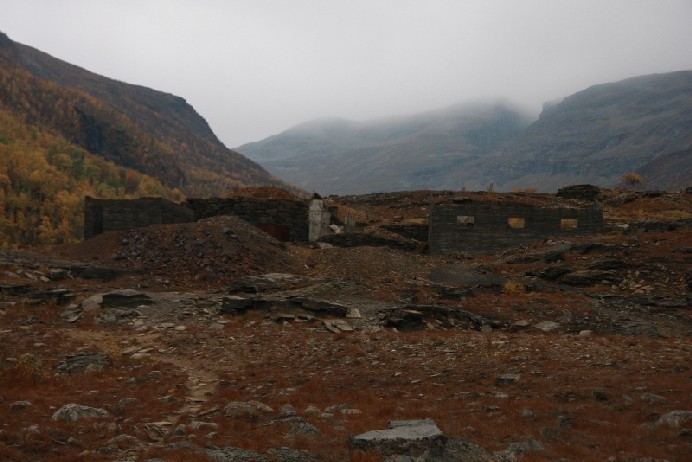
(285, 219)
(478, 227)
(319, 219)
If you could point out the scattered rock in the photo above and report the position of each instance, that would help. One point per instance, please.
(125, 402)
(128, 442)
(72, 313)
(236, 455)
(675, 419)
(547, 326)
(600, 394)
(353, 313)
(528, 445)
(17, 405)
(312, 410)
(337, 325)
(267, 283)
(401, 318)
(507, 379)
(249, 409)
(74, 412)
(417, 316)
(652, 398)
(527, 413)
(606, 263)
(564, 421)
(588, 277)
(125, 298)
(299, 427)
(79, 362)
(236, 305)
(291, 455)
(554, 272)
(58, 274)
(200, 425)
(286, 410)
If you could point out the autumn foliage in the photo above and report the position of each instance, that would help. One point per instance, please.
(632, 179)
(43, 181)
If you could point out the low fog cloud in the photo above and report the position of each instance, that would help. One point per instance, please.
(255, 68)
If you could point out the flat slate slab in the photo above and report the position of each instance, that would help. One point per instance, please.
(125, 298)
(401, 434)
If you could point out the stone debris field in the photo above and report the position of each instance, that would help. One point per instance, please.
(212, 341)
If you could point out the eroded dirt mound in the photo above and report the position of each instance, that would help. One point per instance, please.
(211, 251)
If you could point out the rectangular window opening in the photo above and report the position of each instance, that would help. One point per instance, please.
(516, 222)
(567, 224)
(466, 220)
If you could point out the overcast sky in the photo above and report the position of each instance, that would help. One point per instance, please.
(254, 68)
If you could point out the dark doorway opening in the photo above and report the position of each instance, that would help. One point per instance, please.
(279, 232)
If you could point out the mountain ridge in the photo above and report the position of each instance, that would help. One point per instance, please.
(603, 131)
(592, 136)
(334, 150)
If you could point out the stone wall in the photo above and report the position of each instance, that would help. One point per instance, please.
(477, 227)
(101, 215)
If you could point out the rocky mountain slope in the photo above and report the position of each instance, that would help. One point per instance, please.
(597, 134)
(594, 136)
(147, 130)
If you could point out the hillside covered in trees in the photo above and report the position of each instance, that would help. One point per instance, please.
(136, 127)
(43, 181)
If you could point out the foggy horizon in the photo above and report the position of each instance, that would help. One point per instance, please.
(255, 69)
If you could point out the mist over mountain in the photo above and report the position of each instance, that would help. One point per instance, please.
(401, 153)
(152, 132)
(641, 124)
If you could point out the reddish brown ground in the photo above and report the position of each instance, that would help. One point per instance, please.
(633, 368)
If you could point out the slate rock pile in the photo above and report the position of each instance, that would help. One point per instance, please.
(210, 251)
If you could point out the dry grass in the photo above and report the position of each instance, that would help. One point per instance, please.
(447, 375)
(513, 288)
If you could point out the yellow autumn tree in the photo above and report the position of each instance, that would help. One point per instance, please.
(632, 179)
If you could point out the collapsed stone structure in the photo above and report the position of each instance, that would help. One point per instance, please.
(476, 223)
(488, 226)
(288, 220)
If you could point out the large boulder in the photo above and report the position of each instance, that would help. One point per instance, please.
(402, 437)
(419, 440)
